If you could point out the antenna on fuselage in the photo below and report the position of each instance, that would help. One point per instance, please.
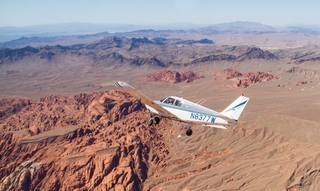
(201, 101)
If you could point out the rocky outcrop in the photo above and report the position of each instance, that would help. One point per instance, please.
(298, 71)
(16, 54)
(210, 58)
(256, 53)
(249, 78)
(21, 177)
(231, 73)
(243, 80)
(119, 58)
(105, 43)
(146, 61)
(174, 76)
(237, 54)
(136, 42)
(88, 141)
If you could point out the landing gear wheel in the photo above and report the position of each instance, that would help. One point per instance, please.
(189, 132)
(156, 120)
(150, 122)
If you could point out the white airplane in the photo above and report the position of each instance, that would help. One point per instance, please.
(182, 110)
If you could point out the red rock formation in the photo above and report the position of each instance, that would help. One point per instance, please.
(104, 143)
(173, 76)
(246, 79)
(242, 83)
(231, 73)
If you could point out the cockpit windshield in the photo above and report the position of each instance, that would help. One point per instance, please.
(169, 100)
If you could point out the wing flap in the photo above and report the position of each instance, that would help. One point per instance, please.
(203, 124)
(216, 126)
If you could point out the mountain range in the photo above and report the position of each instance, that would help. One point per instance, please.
(75, 33)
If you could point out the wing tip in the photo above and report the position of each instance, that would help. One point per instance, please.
(117, 84)
(122, 84)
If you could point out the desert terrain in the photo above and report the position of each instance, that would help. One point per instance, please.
(65, 126)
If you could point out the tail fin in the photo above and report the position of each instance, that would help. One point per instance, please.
(234, 110)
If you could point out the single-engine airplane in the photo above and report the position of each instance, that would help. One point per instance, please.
(185, 111)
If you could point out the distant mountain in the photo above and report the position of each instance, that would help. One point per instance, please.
(78, 28)
(63, 29)
(76, 33)
(157, 52)
(238, 27)
(305, 30)
(59, 30)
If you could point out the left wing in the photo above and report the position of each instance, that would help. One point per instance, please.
(145, 100)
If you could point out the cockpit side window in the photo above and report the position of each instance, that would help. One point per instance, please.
(177, 103)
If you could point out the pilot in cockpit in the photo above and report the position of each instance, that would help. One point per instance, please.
(169, 101)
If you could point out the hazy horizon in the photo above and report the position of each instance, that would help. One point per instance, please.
(166, 24)
(21, 13)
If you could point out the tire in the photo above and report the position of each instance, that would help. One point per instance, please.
(156, 120)
(189, 132)
(150, 122)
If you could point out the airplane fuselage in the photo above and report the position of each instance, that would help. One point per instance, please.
(191, 112)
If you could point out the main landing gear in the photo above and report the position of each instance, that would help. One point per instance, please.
(156, 120)
(153, 120)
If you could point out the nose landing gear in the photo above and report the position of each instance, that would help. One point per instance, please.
(189, 131)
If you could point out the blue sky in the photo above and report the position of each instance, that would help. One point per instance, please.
(270, 12)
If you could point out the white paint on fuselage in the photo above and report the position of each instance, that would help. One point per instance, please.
(189, 111)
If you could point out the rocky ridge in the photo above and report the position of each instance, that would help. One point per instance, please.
(159, 52)
(100, 141)
(132, 51)
(106, 143)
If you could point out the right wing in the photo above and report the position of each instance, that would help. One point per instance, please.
(145, 100)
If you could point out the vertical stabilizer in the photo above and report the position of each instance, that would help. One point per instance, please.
(234, 110)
